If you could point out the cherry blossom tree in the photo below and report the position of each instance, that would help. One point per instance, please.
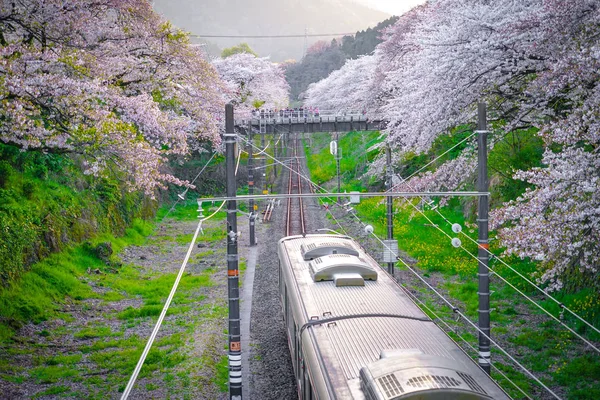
(106, 79)
(345, 89)
(536, 63)
(252, 80)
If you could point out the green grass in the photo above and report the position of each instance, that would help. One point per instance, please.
(54, 373)
(96, 332)
(355, 157)
(222, 376)
(54, 390)
(40, 293)
(63, 278)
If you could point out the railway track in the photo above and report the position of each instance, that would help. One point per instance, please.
(295, 218)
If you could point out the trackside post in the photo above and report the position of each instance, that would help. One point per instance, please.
(390, 210)
(235, 348)
(251, 186)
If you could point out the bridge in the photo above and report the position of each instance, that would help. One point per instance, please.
(299, 122)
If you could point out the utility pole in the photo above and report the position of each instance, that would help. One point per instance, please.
(338, 156)
(251, 186)
(483, 243)
(264, 162)
(390, 210)
(235, 347)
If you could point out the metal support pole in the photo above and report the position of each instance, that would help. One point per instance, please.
(275, 152)
(390, 206)
(337, 165)
(482, 222)
(264, 162)
(251, 186)
(235, 348)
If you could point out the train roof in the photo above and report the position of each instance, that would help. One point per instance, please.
(359, 327)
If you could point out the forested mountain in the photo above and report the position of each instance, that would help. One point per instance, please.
(323, 58)
(269, 17)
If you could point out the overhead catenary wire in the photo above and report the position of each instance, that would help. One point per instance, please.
(405, 180)
(511, 285)
(179, 198)
(455, 309)
(561, 305)
(196, 35)
(548, 296)
(464, 317)
(425, 306)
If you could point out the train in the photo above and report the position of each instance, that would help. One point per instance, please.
(354, 333)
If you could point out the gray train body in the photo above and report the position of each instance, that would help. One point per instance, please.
(354, 333)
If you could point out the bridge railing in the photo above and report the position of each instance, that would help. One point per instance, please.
(277, 119)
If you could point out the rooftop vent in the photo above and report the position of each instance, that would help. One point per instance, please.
(409, 375)
(344, 269)
(311, 251)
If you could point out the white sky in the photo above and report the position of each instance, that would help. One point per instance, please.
(395, 7)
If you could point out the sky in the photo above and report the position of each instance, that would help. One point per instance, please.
(395, 7)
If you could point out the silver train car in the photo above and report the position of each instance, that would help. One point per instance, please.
(354, 333)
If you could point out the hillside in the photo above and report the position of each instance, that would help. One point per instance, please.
(323, 58)
(269, 17)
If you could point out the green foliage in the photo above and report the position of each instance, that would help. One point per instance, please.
(355, 157)
(222, 374)
(517, 151)
(240, 48)
(47, 204)
(324, 58)
(40, 292)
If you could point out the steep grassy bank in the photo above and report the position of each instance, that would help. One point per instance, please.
(75, 325)
(47, 204)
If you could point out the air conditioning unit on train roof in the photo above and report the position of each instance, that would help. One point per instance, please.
(414, 375)
(314, 250)
(343, 269)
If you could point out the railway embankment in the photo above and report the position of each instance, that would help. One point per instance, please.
(87, 345)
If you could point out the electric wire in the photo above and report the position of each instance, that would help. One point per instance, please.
(423, 305)
(140, 363)
(548, 296)
(455, 309)
(195, 35)
(405, 181)
(465, 318)
(179, 198)
(510, 284)
(528, 298)
(163, 313)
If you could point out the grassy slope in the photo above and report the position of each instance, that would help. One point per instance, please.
(47, 204)
(546, 348)
(62, 282)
